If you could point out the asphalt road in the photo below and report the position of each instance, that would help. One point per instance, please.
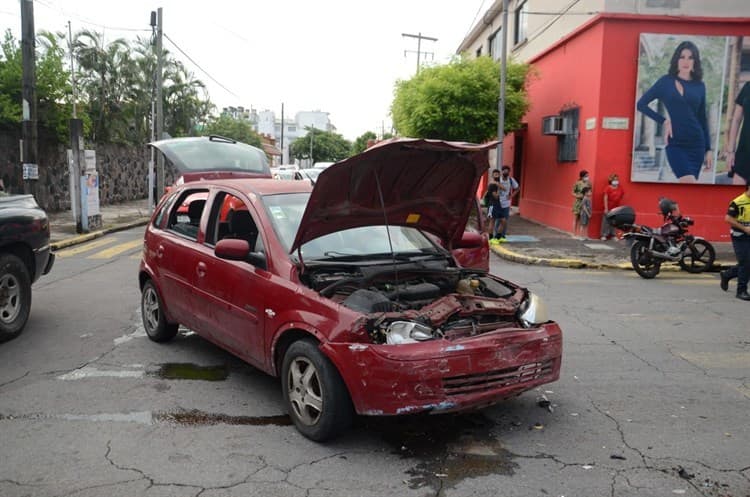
(653, 401)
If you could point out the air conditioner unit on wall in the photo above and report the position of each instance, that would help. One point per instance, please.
(554, 125)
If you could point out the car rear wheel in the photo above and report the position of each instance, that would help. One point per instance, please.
(315, 394)
(15, 296)
(152, 312)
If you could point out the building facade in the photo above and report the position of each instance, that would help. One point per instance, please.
(292, 128)
(592, 61)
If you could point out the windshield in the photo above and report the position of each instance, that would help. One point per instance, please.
(285, 212)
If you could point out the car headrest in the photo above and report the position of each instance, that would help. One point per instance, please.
(241, 223)
(195, 209)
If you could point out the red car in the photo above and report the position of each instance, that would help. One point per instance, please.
(339, 290)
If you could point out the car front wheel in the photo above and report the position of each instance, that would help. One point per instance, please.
(15, 296)
(315, 394)
(152, 312)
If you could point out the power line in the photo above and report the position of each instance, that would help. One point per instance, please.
(471, 26)
(199, 67)
(87, 21)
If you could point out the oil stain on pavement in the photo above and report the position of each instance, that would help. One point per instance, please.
(450, 448)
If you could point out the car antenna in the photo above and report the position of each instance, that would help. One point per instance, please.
(388, 232)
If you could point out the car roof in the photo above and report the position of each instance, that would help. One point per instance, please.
(258, 186)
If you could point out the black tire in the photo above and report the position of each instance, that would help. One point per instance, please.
(15, 296)
(699, 257)
(152, 312)
(646, 266)
(316, 396)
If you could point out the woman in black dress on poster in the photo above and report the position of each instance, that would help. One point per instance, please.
(738, 159)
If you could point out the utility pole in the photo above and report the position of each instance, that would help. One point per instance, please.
(501, 100)
(419, 51)
(281, 145)
(75, 127)
(28, 100)
(159, 104)
(312, 129)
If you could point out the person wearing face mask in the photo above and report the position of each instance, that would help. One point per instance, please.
(583, 182)
(612, 198)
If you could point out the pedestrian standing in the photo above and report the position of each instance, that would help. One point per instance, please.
(583, 181)
(508, 190)
(612, 198)
(738, 217)
(494, 211)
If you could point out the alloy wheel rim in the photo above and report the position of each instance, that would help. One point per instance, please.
(150, 310)
(305, 391)
(10, 298)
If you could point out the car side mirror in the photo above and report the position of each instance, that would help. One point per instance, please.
(471, 239)
(232, 249)
(235, 249)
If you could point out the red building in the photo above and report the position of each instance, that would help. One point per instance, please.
(583, 89)
(593, 73)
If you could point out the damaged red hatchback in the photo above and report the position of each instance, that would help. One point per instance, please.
(340, 291)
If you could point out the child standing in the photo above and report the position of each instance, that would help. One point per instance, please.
(494, 211)
(585, 215)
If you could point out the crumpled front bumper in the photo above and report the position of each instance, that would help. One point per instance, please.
(448, 375)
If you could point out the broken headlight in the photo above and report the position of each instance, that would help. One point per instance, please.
(407, 332)
(534, 311)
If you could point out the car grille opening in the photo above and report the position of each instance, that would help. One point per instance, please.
(493, 380)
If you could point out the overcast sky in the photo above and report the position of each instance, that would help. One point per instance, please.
(337, 56)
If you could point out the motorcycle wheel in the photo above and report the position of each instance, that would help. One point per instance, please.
(646, 266)
(698, 257)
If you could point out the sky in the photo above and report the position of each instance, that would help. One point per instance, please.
(337, 56)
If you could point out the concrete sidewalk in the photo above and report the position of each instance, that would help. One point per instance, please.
(528, 242)
(531, 243)
(114, 218)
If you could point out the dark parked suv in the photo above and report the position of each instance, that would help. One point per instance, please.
(24, 256)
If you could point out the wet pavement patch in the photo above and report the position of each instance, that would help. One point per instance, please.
(199, 418)
(187, 371)
(451, 448)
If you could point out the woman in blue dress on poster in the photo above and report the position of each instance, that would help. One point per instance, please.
(683, 93)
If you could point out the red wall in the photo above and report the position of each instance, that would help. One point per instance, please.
(596, 70)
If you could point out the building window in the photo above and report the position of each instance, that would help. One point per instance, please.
(521, 23)
(745, 61)
(567, 144)
(479, 51)
(292, 129)
(496, 44)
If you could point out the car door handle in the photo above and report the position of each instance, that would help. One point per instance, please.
(201, 269)
(160, 251)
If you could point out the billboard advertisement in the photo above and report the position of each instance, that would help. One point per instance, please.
(686, 95)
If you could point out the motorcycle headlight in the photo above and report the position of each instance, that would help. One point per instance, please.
(534, 311)
(399, 332)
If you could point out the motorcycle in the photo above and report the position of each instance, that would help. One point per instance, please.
(669, 243)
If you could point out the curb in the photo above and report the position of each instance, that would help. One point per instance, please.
(75, 240)
(579, 264)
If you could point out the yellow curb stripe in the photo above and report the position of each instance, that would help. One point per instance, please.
(117, 249)
(85, 248)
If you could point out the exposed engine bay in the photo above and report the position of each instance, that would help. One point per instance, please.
(409, 304)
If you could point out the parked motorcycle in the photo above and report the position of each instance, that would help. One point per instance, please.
(669, 243)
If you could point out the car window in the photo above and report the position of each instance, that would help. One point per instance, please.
(159, 217)
(185, 214)
(231, 218)
(474, 223)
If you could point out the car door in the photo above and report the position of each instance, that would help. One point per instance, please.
(175, 253)
(229, 296)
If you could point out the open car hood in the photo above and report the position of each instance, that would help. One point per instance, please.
(426, 184)
(213, 156)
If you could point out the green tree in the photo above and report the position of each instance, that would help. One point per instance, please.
(327, 146)
(360, 144)
(236, 129)
(52, 86)
(458, 100)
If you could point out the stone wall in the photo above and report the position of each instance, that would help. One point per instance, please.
(122, 172)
